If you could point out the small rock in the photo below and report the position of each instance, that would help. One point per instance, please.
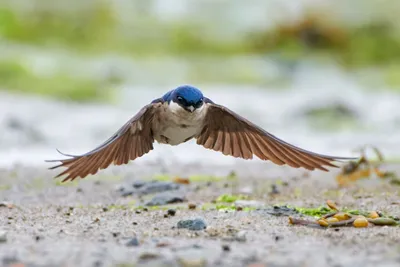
(165, 198)
(194, 225)
(6, 205)
(192, 262)
(148, 256)
(274, 190)
(3, 236)
(115, 234)
(144, 188)
(249, 204)
(134, 242)
(241, 236)
(226, 248)
(211, 231)
(180, 180)
(247, 190)
(281, 211)
(162, 244)
(192, 206)
(138, 184)
(171, 212)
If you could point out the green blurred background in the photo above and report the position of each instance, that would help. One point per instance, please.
(51, 47)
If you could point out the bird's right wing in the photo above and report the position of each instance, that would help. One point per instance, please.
(233, 135)
(131, 141)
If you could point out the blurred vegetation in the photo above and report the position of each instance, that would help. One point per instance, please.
(16, 77)
(97, 28)
(375, 43)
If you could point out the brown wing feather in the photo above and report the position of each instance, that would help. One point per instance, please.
(131, 141)
(231, 134)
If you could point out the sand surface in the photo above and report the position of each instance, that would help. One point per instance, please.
(90, 223)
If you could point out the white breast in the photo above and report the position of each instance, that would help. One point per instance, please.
(178, 125)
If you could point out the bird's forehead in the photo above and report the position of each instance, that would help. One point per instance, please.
(190, 93)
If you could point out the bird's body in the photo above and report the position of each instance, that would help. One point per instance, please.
(181, 115)
(173, 125)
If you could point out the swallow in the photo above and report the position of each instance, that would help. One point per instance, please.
(183, 114)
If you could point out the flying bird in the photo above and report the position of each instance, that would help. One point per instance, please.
(180, 115)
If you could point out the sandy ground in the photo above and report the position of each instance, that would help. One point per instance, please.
(90, 223)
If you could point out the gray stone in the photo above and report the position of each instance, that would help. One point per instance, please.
(194, 225)
(165, 198)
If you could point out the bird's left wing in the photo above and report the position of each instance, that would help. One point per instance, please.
(132, 140)
(231, 134)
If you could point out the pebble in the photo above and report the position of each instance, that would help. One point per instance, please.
(148, 256)
(226, 248)
(212, 231)
(241, 236)
(281, 211)
(194, 225)
(249, 204)
(274, 190)
(134, 242)
(3, 236)
(192, 206)
(144, 188)
(171, 212)
(247, 190)
(165, 198)
(186, 262)
(6, 205)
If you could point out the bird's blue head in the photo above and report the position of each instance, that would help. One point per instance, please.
(188, 97)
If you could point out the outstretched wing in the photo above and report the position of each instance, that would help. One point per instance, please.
(233, 135)
(131, 141)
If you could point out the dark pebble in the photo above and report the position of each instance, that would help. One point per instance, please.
(274, 189)
(97, 263)
(134, 242)
(144, 188)
(226, 248)
(164, 199)
(281, 211)
(171, 212)
(146, 256)
(115, 234)
(194, 225)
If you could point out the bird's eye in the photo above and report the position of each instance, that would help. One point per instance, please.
(180, 98)
(199, 103)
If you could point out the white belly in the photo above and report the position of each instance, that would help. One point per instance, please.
(177, 125)
(178, 135)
